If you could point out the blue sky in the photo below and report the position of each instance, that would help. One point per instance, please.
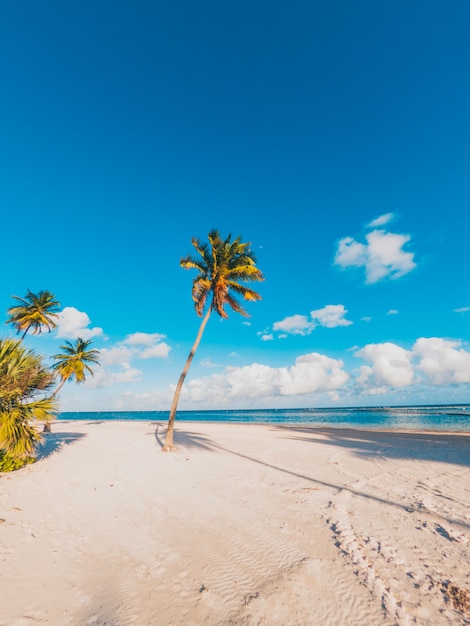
(334, 136)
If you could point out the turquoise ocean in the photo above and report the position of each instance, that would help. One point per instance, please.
(439, 418)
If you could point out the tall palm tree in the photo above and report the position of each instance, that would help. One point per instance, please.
(73, 363)
(36, 311)
(223, 266)
(23, 376)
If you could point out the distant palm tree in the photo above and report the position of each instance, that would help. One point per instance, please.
(223, 267)
(36, 311)
(73, 363)
(23, 376)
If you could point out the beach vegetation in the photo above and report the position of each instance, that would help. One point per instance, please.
(25, 383)
(224, 267)
(73, 364)
(34, 312)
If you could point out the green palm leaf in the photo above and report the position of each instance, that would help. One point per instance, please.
(74, 362)
(35, 311)
(23, 377)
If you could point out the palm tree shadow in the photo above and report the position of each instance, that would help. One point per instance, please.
(351, 437)
(184, 439)
(54, 442)
(432, 446)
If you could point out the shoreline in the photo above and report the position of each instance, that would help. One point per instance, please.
(316, 426)
(245, 524)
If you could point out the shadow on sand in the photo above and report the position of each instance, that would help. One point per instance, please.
(438, 447)
(432, 446)
(54, 441)
(184, 438)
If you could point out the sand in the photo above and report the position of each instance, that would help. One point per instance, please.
(245, 524)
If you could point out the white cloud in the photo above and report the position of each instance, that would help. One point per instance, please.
(158, 351)
(462, 309)
(267, 337)
(143, 339)
(311, 378)
(382, 256)
(392, 312)
(311, 373)
(366, 318)
(135, 346)
(351, 253)
(147, 345)
(432, 360)
(381, 221)
(295, 325)
(117, 355)
(330, 316)
(106, 378)
(442, 361)
(386, 257)
(73, 323)
(116, 361)
(390, 366)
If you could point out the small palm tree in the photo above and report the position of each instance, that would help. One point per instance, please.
(36, 311)
(223, 266)
(23, 376)
(73, 363)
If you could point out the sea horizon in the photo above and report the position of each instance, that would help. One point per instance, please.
(453, 417)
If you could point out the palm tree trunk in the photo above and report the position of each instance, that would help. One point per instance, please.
(61, 384)
(168, 446)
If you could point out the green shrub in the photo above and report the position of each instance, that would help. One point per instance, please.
(9, 463)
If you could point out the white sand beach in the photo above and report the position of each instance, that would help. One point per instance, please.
(244, 524)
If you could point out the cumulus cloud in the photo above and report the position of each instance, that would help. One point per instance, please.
(144, 346)
(329, 316)
(432, 360)
(443, 362)
(73, 323)
(143, 339)
(116, 355)
(382, 255)
(116, 362)
(105, 377)
(309, 374)
(295, 325)
(158, 351)
(390, 366)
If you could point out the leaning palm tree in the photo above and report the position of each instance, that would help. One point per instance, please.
(73, 363)
(35, 311)
(223, 266)
(23, 377)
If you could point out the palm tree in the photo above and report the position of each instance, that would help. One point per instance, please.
(35, 311)
(23, 376)
(73, 363)
(223, 267)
